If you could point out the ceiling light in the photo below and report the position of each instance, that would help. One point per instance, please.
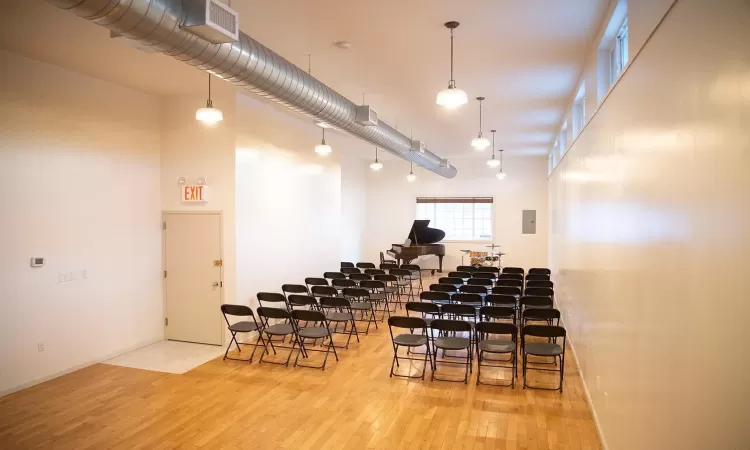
(452, 97)
(411, 177)
(501, 175)
(493, 163)
(209, 115)
(480, 143)
(323, 149)
(376, 165)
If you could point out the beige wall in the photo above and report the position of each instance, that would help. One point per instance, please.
(79, 164)
(194, 150)
(391, 207)
(650, 237)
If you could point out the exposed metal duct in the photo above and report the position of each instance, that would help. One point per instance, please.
(246, 63)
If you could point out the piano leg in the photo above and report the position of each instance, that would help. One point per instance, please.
(440, 264)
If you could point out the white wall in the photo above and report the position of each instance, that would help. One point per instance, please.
(291, 219)
(79, 164)
(353, 206)
(192, 150)
(391, 207)
(651, 237)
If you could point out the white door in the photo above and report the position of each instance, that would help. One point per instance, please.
(192, 247)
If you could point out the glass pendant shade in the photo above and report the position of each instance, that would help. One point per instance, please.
(480, 143)
(452, 98)
(493, 163)
(209, 115)
(500, 175)
(323, 149)
(376, 166)
(411, 177)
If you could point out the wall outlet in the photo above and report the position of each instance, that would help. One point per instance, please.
(40, 346)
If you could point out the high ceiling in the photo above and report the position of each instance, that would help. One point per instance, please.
(523, 56)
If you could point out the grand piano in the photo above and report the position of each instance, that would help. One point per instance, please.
(422, 241)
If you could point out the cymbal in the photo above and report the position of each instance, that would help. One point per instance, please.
(493, 246)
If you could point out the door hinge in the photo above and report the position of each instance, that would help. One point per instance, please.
(165, 274)
(166, 322)
(164, 225)
(221, 284)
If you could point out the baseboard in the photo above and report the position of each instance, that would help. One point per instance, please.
(599, 431)
(77, 367)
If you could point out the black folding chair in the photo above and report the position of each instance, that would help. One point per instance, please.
(282, 330)
(288, 289)
(513, 270)
(537, 277)
(303, 301)
(458, 311)
(510, 283)
(274, 298)
(469, 269)
(507, 290)
(546, 315)
(474, 300)
(490, 269)
(373, 272)
(324, 291)
(316, 326)
(339, 310)
(543, 349)
(350, 270)
(486, 344)
(507, 301)
(540, 271)
(451, 343)
(388, 265)
(510, 276)
(428, 311)
(343, 283)
(540, 291)
(540, 283)
(447, 288)
(244, 326)
(314, 281)
(462, 275)
(410, 341)
(391, 288)
(358, 277)
(333, 275)
(360, 302)
(490, 275)
(491, 313)
(473, 289)
(378, 296)
(438, 298)
(534, 301)
(455, 281)
(346, 264)
(404, 282)
(366, 265)
(416, 275)
(486, 282)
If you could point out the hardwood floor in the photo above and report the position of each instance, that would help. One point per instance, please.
(352, 404)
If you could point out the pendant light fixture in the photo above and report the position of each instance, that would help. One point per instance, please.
(501, 175)
(376, 165)
(321, 149)
(493, 163)
(209, 115)
(452, 97)
(411, 177)
(480, 143)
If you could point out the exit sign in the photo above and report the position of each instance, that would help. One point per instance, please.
(194, 193)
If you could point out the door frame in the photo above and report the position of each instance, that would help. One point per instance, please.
(164, 215)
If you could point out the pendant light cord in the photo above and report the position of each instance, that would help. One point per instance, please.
(376, 154)
(493, 143)
(501, 160)
(480, 117)
(324, 135)
(453, 82)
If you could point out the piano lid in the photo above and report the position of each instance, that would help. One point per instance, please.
(421, 234)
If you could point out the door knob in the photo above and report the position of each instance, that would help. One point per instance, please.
(215, 284)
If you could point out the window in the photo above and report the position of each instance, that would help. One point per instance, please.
(563, 139)
(618, 56)
(579, 111)
(462, 219)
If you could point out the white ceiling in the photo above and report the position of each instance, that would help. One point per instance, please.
(524, 56)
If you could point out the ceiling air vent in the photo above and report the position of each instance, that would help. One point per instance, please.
(366, 116)
(417, 146)
(213, 21)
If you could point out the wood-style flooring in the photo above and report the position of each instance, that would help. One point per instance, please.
(353, 404)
